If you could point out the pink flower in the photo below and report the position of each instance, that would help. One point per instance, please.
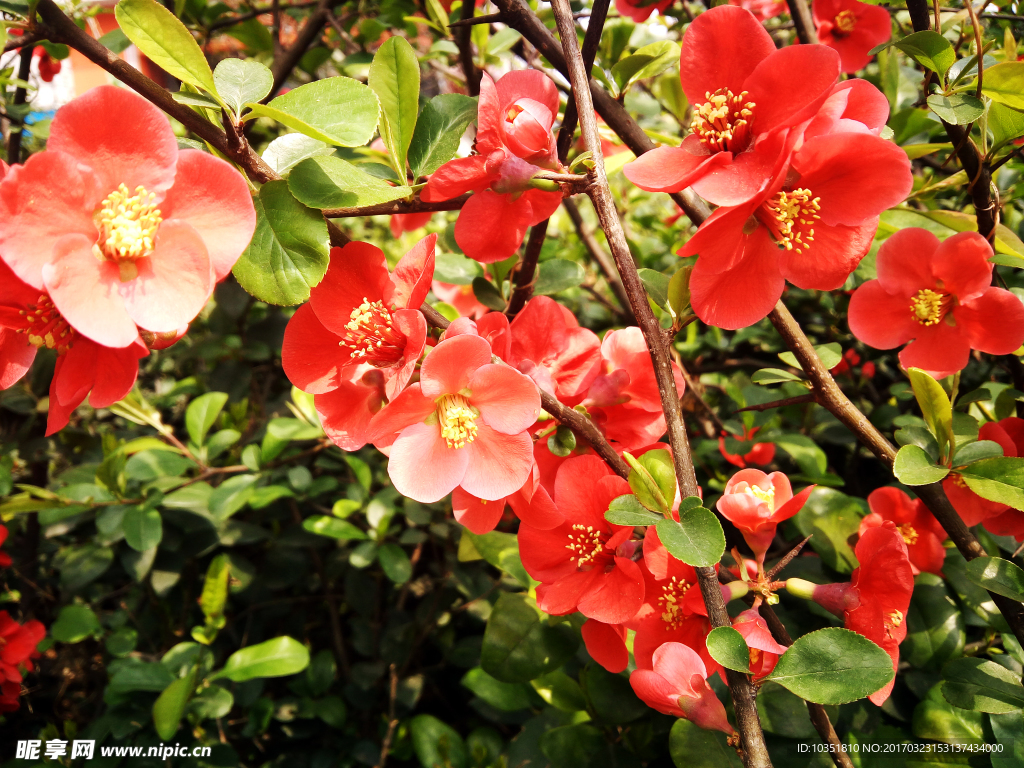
(513, 142)
(921, 532)
(584, 563)
(852, 29)
(764, 651)
(462, 298)
(117, 225)
(750, 452)
(762, 9)
(939, 297)
(756, 503)
(532, 505)
(742, 88)
(462, 424)
(678, 686)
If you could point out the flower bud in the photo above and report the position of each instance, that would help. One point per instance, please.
(527, 128)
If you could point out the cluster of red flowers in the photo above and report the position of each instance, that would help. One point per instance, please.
(111, 242)
(17, 647)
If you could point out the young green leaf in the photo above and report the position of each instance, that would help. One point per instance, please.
(201, 414)
(729, 649)
(697, 539)
(626, 510)
(930, 50)
(273, 658)
(915, 467)
(337, 110)
(438, 131)
(997, 575)
(556, 275)
(935, 407)
(395, 78)
(1000, 480)
(170, 705)
(330, 182)
(240, 81)
(1004, 83)
(215, 590)
(982, 686)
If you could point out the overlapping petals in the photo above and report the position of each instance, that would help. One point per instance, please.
(756, 503)
(852, 29)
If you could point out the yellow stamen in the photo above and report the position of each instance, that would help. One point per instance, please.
(585, 544)
(724, 121)
(671, 602)
(908, 533)
(845, 22)
(792, 216)
(127, 224)
(768, 497)
(928, 307)
(456, 417)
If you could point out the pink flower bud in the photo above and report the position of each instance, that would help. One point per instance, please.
(526, 125)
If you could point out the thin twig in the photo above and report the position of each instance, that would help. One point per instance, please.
(464, 40)
(599, 255)
(526, 271)
(396, 206)
(472, 21)
(803, 21)
(20, 94)
(286, 60)
(385, 747)
(796, 400)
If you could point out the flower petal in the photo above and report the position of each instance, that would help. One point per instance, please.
(670, 169)
(410, 407)
(345, 413)
(939, 350)
(961, 264)
(450, 366)
(616, 596)
(16, 356)
(904, 262)
(479, 515)
(721, 48)
(413, 274)
(606, 644)
(498, 464)
(744, 294)
(508, 401)
(784, 100)
(418, 447)
(491, 227)
(356, 273)
(310, 354)
(456, 177)
(994, 322)
(880, 319)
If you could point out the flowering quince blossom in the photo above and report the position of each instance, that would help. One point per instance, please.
(758, 453)
(17, 648)
(762, 9)
(997, 518)
(585, 563)
(921, 532)
(461, 297)
(641, 10)
(938, 296)
(677, 685)
(810, 226)
(764, 651)
(465, 420)
(532, 505)
(875, 601)
(513, 142)
(852, 29)
(408, 222)
(117, 225)
(29, 321)
(853, 106)
(756, 503)
(742, 88)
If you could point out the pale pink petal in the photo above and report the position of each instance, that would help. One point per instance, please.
(423, 467)
(508, 401)
(479, 515)
(410, 407)
(451, 364)
(498, 464)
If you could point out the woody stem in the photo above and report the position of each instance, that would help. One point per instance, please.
(749, 726)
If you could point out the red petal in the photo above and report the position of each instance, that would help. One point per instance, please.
(904, 262)
(784, 100)
(530, 84)
(880, 319)
(16, 356)
(940, 350)
(830, 258)
(456, 177)
(961, 265)
(616, 595)
(478, 515)
(491, 227)
(346, 411)
(413, 274)
(670, 169)
(310, 354)
(721, 48)
(606, 644)
(410, 407)
(994, 322)
(357, 272)
(744, 294)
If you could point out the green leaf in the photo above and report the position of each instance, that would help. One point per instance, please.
(395, 562)
(767, 376)
(678, 295)
(437, 744)
(833, 666)
(981, 685)
(976, 451)
(560, 691)
(729, 649)
(935, 625)
(143, 528)
(626, 510)
(170, 706)
(659, 466)
(937, 719)
(997, 575)
(395, 78)
(322, 525)
(555, 275)
(697, 539)
(74, 624)
(288, 253)
(438, 131)
(935, 407)
(500, 550)
(487, 294)
(1006, 123)
(830, 354)
(201, 414)
(805, 452)
(507, 697)
(930, 50)
(1000, 480)
(520, 643)
(215, 589)
(285, 152)
(337, 110)
(330, 182)
(915, 467)
(648, 61)
(231, 495)
(610, 696)
(116, 40)
(195, 100)
(957, 108)
(656, 285)
(454, 269)
(240, 81)
(1004, 83)
(274, 658)
(693, 747)
(165, 41)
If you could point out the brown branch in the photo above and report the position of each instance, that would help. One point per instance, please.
(20, 42)
(469, 20)
(464, 41)
(287, 60)
(395, 206)
(752, 739)
(385, 747)
(255, 12)
(20, 94)
(599, 255)
(526, 270)
(591, 42)
(831, 397)
(516, 14)
(570, 417)
(803, 21)
(798, 399)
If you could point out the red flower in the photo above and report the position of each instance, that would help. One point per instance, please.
(531, 503)
(48, 66)
(17, 648)
(759, 453)
(549, 346)
(741, 88)
(678, 686)
(972, 508)
(875, 602)
(408, 222)
(764, 651)
(462, 298)
(585, 563)
(465, 419)
(5, 559)
(920, 531)
(624, 400)
(29, 320)
(810, 226)
(762, 9)
(513, 142)
(361, 313)
(117, 225)
(641, 10)
(756, 503)
(853, 106)
(852, 29)
(939, 297)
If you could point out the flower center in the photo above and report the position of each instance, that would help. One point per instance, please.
(928, 307)
(724, 121)
(891, 621)
(768, 497)
(457, 419)
(586, 545)
(45, 327)
(908, 533)
(513, 112)
(671, 602)
(127, 224)
(845, 22)
(371, 335)
(790, 216)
